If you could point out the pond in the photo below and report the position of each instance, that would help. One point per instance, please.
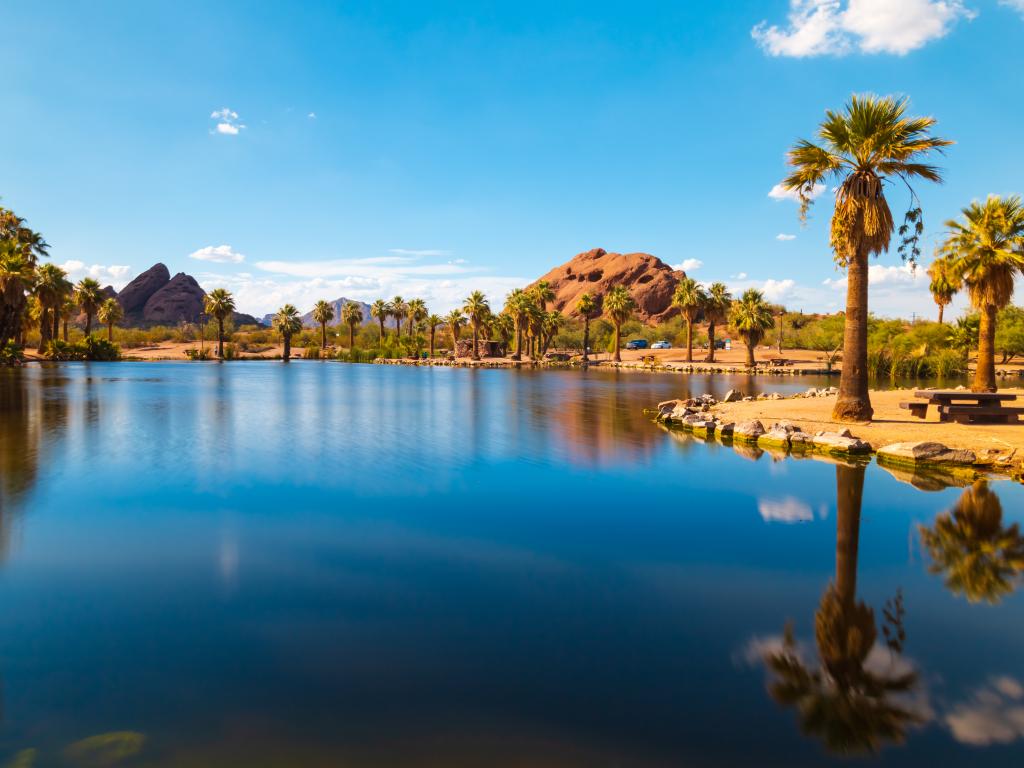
(326, 564)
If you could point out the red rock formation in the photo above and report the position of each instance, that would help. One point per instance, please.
(650, 280)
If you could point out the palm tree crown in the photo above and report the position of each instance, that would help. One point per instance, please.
(619, 305)
(323, 313)
(110, 314)
(88, 294)
(477, 309)
(942, 284)
(287, 322)
(352, 316)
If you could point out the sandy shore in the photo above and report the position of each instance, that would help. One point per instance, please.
(891, 424)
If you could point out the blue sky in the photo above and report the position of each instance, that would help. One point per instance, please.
(429, 148)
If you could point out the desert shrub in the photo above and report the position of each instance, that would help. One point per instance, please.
(90, 348)
(356, 355)
(10, 355)
(230, 351)
(197, 354)
(311, 352)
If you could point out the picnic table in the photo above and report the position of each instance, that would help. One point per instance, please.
(778, 362)
(965, 407)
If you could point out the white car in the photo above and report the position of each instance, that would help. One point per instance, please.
(661, 345)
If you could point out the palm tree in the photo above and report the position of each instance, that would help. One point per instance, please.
(619, 306)
(381, 310)
(219, 304)
(352, 316)
(982, 559)
(17, 273)
(433, 321)
(943, 284)
(398, 309)
(585, 308)
(89, 295)
(870, 142)
(515, 306)
(323, 313)
(550, 324)
(542, 293)
(716, 311)
(67, 311)
(476, 309)
(415, 311)
(51, 287)
(287, 322)
(850, 707)
(690, 298)
(987, 253)
(110, 313)
(455, 320)
(751, 317)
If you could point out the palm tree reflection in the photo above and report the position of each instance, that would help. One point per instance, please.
(980, 558)
(850, 703)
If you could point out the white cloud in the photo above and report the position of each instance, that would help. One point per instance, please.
(740, 276)
(777, 291)
(788, 510)
(117, 275)
(784, 237)
(422, 252)
(778, 192)
(1017, 5)
(892, 275)
(994, 714)
(689, 265)
(227, 122)
(834, 27)
(221, 254)
(311, 115)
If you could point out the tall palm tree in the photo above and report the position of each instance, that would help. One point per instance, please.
(89, 295)
(619, 305)
(415, 311)
(943, 284)
(110, 313)
(17, 273)
(981, 558)
(323, 313)
(585, 308)
(987, 253)
(398, 310)
(381, 310)
(690, 297)
(220, 305)
(287, 322)
(551, 323)
(476, 309)
(433, 321)
(751, 317)
(869, 142)
(515, 306)
(850, 707)
(51, 288)
(352, 316)
(716, 310)
(67, 311)
(542, 293)
(455, 320)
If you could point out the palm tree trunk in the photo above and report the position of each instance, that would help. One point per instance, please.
(751, 361)
(854, 402)
(110, 332)
(323, 335)
(849, 494)
(44, 328)
(398, 328)
(88, 324)
(351, 337)
(782, 320)
(586, 338)
(618, 338)
(287, 348)
(689, 340)
(942, 309)
(985, 372)
(476, 330)
(381, 321)
(65, 330)
(220, 337)
(711, 342)
(519, 341)
(56, 323)
(432, 332)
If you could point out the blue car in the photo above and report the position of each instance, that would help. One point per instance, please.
(636, 344)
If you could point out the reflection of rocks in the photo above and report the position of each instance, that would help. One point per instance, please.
(928, 478)
(748, 451)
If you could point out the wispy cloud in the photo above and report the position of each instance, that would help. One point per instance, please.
(994, 714)
(689, 265)
(788, 510)
(836, 28)
(778, 192)
(419, 252)
(311, 115)
(1017, 5)
(784, 237)
(227, 122)
(117, 275)
(221, 254)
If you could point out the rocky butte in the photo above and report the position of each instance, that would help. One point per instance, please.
(156, 298)
(650, 281)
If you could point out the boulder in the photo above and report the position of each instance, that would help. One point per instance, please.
(650, 281)
(832, 442)
(925, 453)
(133, 297)
(748, 431)
(726, 430)
(180, 300)
(779, 436)
(732, 396)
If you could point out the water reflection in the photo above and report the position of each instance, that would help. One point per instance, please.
(19, 449)
(853, 697)
(978, 556)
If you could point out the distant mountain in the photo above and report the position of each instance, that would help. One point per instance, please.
(156, 298)
(650, 280)
(337, 304)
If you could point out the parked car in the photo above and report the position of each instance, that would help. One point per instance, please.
(661, 345)
(636, 344)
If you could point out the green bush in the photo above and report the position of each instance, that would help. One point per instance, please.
(230, 352)
(356, 355)
(197, 354)
(311, 352)
(90, 348)
(10, 355)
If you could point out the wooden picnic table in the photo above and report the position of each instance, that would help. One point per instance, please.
(965, 407)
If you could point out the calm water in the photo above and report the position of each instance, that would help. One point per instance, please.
(325, 564)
